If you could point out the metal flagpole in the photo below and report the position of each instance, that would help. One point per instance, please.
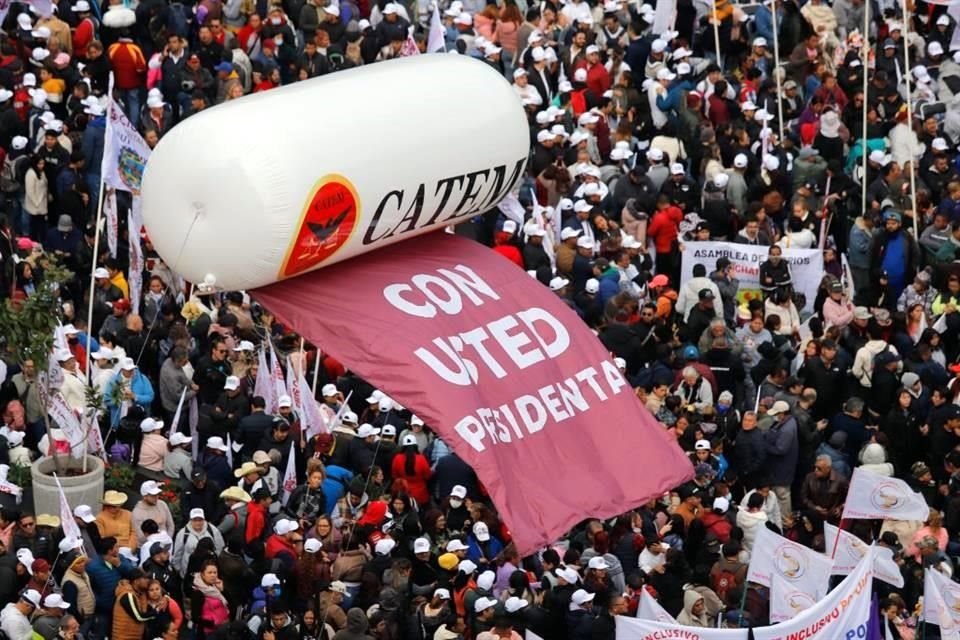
(93, 281)
(716, 33)
(907, 74)
(866, 106)
(776, 66)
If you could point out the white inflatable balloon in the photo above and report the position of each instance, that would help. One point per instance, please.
(276, 184)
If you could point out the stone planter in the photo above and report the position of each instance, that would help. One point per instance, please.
(86, 489)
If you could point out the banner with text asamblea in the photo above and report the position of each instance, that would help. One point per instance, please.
(639, 629)
(843, 614)
(507, 374)
(873, 496)
(796, 564)
(806, 266)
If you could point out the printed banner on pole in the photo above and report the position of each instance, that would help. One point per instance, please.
(263, 386)
(639, 629)
(279, 383)
(787, 601)
(851, 549)
(69, 525)
(800, 566)
(125, 153)
(289, 475)
(941, 603)
(872, 496)
(67, 420)
(135, 273)
(112, 220)
(806, 266)
(649, 609)
(513, 380)
(842, 613)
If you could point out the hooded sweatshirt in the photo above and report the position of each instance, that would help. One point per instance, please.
(690, 296)
(357, 625)
(686, 617)
(874, 458)
(750, 522)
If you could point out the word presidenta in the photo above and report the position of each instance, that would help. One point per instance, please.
(501, 347)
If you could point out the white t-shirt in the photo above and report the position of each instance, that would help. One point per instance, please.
(15, 624)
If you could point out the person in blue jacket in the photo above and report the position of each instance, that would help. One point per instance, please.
(105, 571)
(335, 485)
(482, 547)
(136, 388)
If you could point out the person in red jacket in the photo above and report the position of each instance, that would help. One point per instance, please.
(504, 244)
(411, 466)
(716, 522)
(663, 229)
(85, 31)
(129, 72)
(598, 78)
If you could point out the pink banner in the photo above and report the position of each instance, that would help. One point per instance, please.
(507, 374)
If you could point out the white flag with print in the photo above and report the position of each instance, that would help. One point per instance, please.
(70, 528)
(176, 414)
(941, 603)
(796, 564)
(125, 152)
(650, 609)
(872, 496)
(111, 219)
(290, 475)
(851, 549)
(135, 279)
(787, 601)
(263, 387)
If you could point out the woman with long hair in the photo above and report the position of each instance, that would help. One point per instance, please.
(208, 605)
(36, 197)
(508, 27)
(435, 530)
(412, 466)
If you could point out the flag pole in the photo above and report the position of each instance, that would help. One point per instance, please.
(913, 158)
(836, 541)
(866, 106)
(776, 66)
(316, 373)
(93, 270)
(716, 33)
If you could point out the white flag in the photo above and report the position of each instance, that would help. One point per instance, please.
(134, 225)
(70, 528)
(176, 414)
(787, 601)
(312, 419)
(264, 384)
(872, 496)
(290, 475)
(435, 39)
(510, 207)
(796, 564)
(640, 629)
(125, 153)
(650, 609)
(851, 549)
(95, 439)
(941, 603)
(67, 420)
(43, 8)
(279, 384)
(846, 609)
(112, 219)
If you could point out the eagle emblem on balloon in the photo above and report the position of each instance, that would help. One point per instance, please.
(326, 225)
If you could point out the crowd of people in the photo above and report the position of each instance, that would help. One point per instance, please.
(642, 141)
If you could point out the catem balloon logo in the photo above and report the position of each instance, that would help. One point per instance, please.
(798, 601)
(887, 496)
(789, 562)
(326, 224)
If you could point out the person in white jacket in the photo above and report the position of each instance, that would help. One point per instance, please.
(862, 368)
(73, 387)
(751, 520)
(186, 540)
(771, 506)
(35, 199)
(874, 458)
(689, 294)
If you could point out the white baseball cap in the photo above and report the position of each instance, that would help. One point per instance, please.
(85, 513)
(592, 286)
(312, 545)
(284, 401)
(481, 531)
(150, 488)
(149, 425)
(598, 563)
(384, 546)
(269, 580)
(367, 430)
(466, 566)
(197, 514)
(232, 383)
(456, 545)
(328, 390)
(483, 603)
(421, 545)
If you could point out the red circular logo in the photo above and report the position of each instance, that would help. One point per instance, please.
(325, 225)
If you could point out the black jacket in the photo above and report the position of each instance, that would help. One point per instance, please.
(251, 430)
